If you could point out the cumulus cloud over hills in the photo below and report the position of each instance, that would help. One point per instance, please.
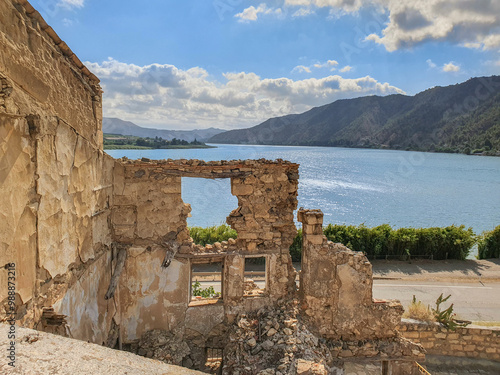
(165, 94)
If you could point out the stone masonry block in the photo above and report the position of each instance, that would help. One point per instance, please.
(240, 189)
(125, 215)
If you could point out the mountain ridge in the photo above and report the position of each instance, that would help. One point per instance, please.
(113, 125)
(464, 117)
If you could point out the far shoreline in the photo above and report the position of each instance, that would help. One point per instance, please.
(496, 154)
(131, 147)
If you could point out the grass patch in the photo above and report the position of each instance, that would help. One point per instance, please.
(418, 311)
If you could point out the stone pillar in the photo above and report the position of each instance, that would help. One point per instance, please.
(312, 227)
(317, 275)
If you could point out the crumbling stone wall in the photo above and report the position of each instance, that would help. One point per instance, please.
(55, 180)
(102, 249)
(149, 217)
(336, 288)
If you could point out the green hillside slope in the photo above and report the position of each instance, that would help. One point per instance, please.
(459, 118)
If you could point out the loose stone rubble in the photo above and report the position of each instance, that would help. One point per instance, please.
(102, 249)
(274, 341)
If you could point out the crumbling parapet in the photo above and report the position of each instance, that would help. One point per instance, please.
(148, 202)
(336, 288)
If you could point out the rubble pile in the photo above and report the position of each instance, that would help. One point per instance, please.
(162, 345)
(251, 288)
(274, 341)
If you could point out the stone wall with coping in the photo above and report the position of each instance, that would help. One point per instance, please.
(469, 342)
(55, 180)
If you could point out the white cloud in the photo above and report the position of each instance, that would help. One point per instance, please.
(345, 5)
(469, 23)
(251, 13)
(298, 2)
(72, 3)
(328, 64)
(67, 22)
(450, 67)
(473, 24)
(331, 64)
(302, 12)
(301, 69)
(163, 95)
(431, 63)
(346, 69)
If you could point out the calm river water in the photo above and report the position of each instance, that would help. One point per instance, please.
(354, 186)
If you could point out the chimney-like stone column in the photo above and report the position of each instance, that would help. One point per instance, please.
(312, 227)
(313, 274)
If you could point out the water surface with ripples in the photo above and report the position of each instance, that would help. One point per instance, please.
(354, 186)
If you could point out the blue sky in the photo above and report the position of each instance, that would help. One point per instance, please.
(234, 63)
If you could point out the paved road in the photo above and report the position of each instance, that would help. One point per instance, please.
(474, 285)
(474, 301)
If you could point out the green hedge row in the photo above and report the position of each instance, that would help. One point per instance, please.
(453, 242)
(489, 244)
(405, 243)
(437, 243)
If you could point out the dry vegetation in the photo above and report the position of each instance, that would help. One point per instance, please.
(419, 311)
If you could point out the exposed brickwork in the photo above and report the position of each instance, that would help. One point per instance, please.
(55, 180)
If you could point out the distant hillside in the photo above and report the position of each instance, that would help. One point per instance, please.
(459, 118)
(117, 126)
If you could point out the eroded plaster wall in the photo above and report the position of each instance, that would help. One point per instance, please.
(55, 180)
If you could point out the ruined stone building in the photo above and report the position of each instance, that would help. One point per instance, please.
(103, 253)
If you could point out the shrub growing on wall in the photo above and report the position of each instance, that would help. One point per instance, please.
(489, 244)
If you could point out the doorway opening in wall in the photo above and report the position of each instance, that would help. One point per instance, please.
(255, 276)
(206, 281)
(211, 203)
(214, 360)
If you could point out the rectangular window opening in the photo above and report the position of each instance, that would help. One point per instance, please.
(255, 276)
(214, 359)
(211, 203)
(206, 281)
